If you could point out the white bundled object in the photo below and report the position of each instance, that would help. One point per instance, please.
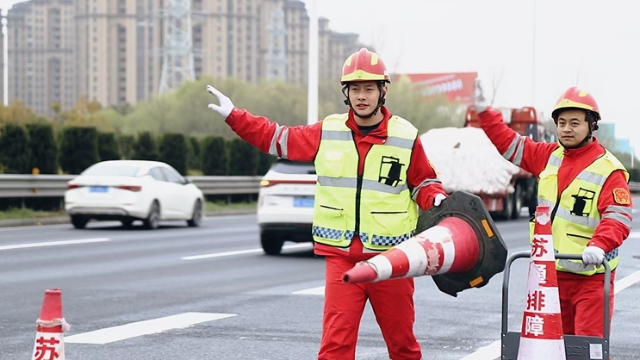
(467, 161)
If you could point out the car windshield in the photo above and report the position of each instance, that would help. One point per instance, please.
(293, 167)
(111, 170)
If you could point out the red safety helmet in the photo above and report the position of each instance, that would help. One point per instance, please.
(575, 98)
(364, 65)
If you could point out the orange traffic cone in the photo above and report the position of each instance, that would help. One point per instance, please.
(457, 244)
(450, 246)
(49, 344)
(541, 335)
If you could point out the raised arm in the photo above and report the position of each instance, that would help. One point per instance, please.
(296, 143)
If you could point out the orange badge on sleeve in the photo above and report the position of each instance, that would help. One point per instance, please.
(621, 196)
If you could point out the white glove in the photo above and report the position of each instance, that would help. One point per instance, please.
(439, 199)
(225, 106)
(593, 255)
(480, 101)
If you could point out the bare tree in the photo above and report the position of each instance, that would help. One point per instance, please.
(496, 79)
(379, 44)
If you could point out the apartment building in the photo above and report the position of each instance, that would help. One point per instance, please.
(108, 51)
(111, 50)
(41, 54)
(227, 35)
(257, 40)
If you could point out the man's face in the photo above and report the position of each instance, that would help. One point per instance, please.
(572, 127)
(364, 96)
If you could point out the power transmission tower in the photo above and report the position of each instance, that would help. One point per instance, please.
(177, 51)
(276, 54)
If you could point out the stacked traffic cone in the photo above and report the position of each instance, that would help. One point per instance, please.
(451, 246)
(541, 335)
(49, 344)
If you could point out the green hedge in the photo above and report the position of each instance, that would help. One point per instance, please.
(173, 151)
(108, 148)
(78, 149)
(36, 148)
(14, 150)
(43, 147)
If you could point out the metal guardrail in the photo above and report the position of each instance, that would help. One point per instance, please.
(19, 186)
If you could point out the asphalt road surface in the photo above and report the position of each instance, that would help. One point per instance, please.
(210, 293)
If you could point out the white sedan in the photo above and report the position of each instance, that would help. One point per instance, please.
(130, 190)
(285, 204)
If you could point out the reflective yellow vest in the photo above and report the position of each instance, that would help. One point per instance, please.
(575, 213)
(377, 205)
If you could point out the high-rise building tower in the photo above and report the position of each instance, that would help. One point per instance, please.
(177, 60)
(276, 57)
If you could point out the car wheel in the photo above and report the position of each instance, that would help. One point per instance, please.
(79, 222)
(271, 243)
(196, 218)
(127, 223)
(153, 220)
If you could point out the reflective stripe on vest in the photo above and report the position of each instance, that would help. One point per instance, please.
(576, 215)
(387, 213)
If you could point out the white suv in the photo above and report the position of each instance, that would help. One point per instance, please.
(285, 204)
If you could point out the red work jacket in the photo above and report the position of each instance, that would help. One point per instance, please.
(302, 143)
(610, 233)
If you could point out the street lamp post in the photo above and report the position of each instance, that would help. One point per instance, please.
(533, 55)
(312, 82)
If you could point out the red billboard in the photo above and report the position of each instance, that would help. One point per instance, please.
(457, 87)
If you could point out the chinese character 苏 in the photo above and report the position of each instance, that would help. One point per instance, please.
(534, 325)
(535, 300)
(538, 249)
(46, 349)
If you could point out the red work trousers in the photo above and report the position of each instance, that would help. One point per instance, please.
(392, 304)
(582, 304)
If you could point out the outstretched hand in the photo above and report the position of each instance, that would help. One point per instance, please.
(226, 105)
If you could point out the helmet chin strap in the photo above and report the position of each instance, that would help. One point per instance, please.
(381, 101)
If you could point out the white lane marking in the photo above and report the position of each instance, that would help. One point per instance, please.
(313, 291)
(99, 224)
(243, 252)
(52, 243)
(627, 281)
(492, 351)
(489, 352)
(146, 327)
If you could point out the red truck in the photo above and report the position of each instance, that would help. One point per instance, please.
(525, 121)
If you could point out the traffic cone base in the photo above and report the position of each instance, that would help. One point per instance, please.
(542, 348)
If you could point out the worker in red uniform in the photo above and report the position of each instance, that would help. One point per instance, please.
(372, 171)
(587, 190)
